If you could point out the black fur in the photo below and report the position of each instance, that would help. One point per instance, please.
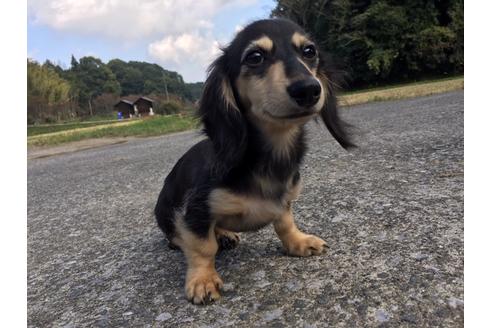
(235, 149)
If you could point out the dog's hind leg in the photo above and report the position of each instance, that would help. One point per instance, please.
(165, 215)
(226, 239)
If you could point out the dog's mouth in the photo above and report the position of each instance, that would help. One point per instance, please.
(292, 116)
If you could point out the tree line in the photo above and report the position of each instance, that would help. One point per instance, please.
(384, 41)
(90, 87)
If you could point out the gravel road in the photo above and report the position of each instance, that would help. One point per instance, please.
(391, 212)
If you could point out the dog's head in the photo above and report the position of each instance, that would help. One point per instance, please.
(273, 75)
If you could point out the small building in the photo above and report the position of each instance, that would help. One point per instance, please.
(126, 108)
(143, 106)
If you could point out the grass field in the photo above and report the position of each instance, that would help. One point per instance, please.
(151, 126)
(35, 130)
(402, 91)
(55, 134)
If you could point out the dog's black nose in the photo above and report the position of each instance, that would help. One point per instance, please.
(305, 92)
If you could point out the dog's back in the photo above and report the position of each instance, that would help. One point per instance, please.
(192, 166)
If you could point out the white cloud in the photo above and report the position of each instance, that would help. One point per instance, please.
(178, 32)
(128, 19)
(185, 49)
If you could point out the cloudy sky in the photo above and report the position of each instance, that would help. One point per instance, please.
(180, 35)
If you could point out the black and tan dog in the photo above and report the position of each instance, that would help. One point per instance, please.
(260, 92)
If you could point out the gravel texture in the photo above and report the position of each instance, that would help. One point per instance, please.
(391, 212)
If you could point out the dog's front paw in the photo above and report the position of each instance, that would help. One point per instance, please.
(203, 286)
(301, 244)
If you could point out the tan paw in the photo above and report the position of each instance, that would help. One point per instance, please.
(226, 239)
(203, 286)
(302, 244)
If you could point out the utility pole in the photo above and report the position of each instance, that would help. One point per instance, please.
(167, 94)
(90, 106)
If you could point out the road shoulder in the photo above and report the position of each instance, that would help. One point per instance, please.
(40, 152)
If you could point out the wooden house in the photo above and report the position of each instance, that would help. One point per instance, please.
(126, 108)
(143, 106)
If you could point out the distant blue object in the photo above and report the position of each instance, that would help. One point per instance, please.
(120, 116)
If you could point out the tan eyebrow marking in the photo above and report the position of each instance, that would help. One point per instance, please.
(265, 43)
(298, 39)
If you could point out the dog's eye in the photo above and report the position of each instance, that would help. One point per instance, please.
(254, 58)
(309, 51)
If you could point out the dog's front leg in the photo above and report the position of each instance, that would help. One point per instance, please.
(197, 239)
(203, 283)
(295, 242)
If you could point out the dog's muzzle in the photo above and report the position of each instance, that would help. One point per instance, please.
(305, 93)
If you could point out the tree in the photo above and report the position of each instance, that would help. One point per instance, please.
(90, 78)
(48, 95)
(144, 78)
(104, 103)
(130, 79)
(384, 40)
(92, 87)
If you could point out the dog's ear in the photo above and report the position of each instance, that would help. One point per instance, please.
(223, 121)
(329, 113)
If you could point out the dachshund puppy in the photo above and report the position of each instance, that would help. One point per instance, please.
(257, 98)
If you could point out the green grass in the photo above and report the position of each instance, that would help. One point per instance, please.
(35, 130)
(101, 117)
(418, 89)
(151, 126)
(407, 84)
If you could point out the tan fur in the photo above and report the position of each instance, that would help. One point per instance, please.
(295, 242)
(237, 212)
(298, 39)
(267, 187)
(228, 94)
(324, 91)
(223, 233)
(203, 283)
(268, 96)
(268, 93)
(219, 232)
(282, 140)
(264, 43)
(294, 191)
(324, 82)
(282, 137)
(311, 70)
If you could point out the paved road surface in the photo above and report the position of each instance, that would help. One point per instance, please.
(391, 212)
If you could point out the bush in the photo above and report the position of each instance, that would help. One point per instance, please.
(104, 104)
(168, 107)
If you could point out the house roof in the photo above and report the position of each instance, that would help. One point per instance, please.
(131, 100)
(146, 99)
(127, 102)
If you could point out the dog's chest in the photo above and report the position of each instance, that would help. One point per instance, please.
(241, 212)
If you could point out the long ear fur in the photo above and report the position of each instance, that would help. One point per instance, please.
(223, 121)
(329, 113)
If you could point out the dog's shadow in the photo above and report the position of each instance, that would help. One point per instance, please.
(168, 266)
